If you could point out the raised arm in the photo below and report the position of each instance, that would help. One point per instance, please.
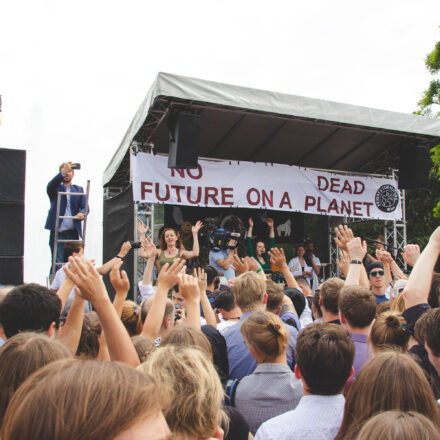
(121, 284)
(64, 291)
(107, 267)
(70, 333)
(278, 258)
(357, 251)
(195, 250)
(189, 289)
(386, 259)
(92, 288)
(419, 282)
(249, 245)
(168, 277)
(204, 301)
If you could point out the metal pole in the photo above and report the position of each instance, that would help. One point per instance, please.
(87, 213)
(55, 239)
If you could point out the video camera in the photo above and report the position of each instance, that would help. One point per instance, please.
(220, 239)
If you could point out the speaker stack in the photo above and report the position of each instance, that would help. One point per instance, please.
(12, 185)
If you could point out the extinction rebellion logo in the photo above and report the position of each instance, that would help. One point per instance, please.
(387, 198)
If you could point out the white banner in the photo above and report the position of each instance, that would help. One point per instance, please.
(268, 186)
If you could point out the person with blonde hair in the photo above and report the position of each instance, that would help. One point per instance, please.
(20, 356)
(388, 332)
(389, 381)
(250, 295)
(131, 317)
(87, 400)
(402, 425)
(267, 339)
(196, 393)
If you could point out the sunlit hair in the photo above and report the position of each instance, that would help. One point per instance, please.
(163, 244)
(81, 400)
(249, 290)
(402, 425)
(88, 346)
(144, 347)
(195, 390)
(20, 356)
(387, 332)
(189, 336)
(398, 304)
(266, 334)
(389, 381)
(275, 296)
(131, 318)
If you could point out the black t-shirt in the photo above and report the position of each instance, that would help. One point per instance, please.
(219, 351)
(238, 427)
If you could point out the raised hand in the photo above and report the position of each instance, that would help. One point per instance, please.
(189, 287)
(252, 263)
(142, 228)
(85, 276)
(119, 279)
(343, 235)
(411, 252)
(239, 265)
(251, 222)
(149, 247)
(196, 228)
(277, 257)
(343, 262)
(169, 275)
(200, 274)
(269, 222)
(125, 249)
(66, 167)
(384, 256)
(357, 249)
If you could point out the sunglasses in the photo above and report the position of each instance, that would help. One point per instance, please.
(378, 273)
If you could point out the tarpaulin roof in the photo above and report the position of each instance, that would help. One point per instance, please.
(240, 123)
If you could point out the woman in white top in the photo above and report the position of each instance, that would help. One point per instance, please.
(298, 265)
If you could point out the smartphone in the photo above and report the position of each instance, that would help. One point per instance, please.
(75, 166)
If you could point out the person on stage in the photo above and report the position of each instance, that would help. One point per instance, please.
(74, 206)
(313, 261)
(260, 248)
(299, 267)
(170, 246)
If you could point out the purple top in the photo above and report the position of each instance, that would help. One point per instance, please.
(362, 354)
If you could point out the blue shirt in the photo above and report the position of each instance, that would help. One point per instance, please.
(241, 361)
(214, 257)
(315, 418)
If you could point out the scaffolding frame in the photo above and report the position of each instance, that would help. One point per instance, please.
(394, 234)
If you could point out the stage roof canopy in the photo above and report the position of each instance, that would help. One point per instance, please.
(240, 123)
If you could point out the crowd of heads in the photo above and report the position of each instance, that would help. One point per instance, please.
(354, 357)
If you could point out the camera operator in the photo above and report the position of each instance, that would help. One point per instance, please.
(222, 261)
(70, 229)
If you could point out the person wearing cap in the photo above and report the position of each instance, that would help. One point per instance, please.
(376, 276)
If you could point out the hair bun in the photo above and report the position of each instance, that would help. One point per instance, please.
(392, 321)
(274, 328)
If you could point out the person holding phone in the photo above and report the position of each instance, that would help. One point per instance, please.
(75, 206)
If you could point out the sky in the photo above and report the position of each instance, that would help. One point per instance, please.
(72, 74)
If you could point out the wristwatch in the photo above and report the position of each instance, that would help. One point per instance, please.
(355, 262)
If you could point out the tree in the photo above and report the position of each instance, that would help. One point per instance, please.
(429, 105)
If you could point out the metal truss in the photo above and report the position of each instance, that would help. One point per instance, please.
(394, 233)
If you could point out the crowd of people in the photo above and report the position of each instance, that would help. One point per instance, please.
(210, 356)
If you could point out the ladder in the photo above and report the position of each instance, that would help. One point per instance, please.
(57, 221)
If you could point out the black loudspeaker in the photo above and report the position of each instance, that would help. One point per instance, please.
(12, 185)
(414, 166)
(184, 140)
(11, 270)
(12, 175)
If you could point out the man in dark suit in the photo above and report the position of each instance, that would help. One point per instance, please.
(69, 206)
